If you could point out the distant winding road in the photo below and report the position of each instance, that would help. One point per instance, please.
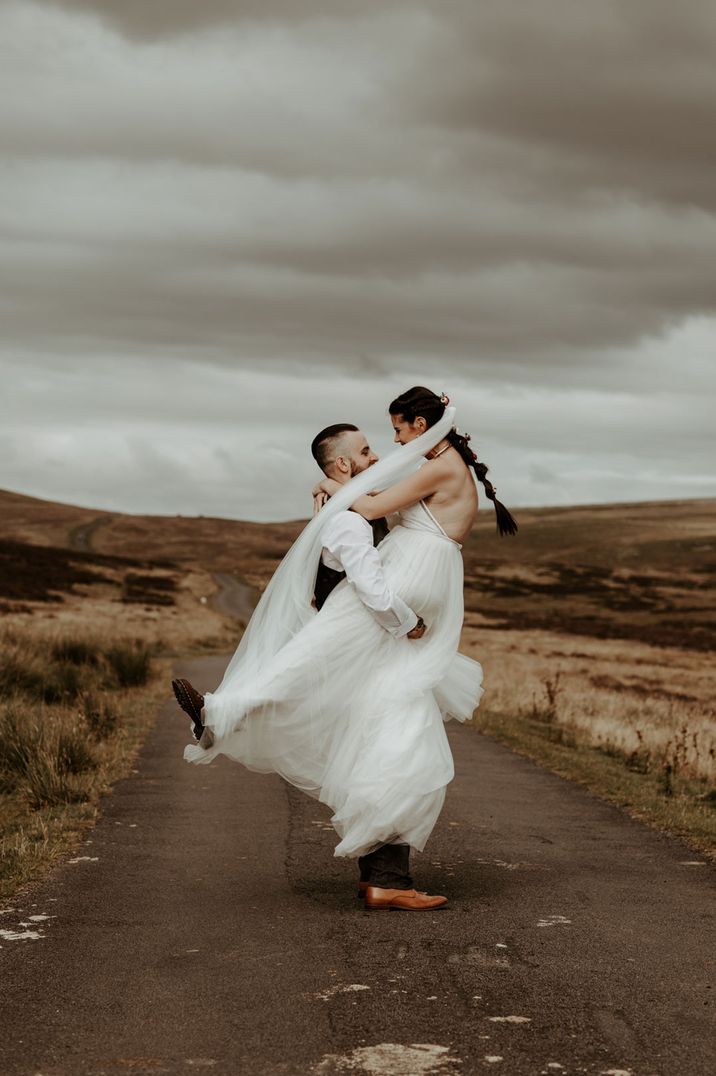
(234, 597)
(80, 538)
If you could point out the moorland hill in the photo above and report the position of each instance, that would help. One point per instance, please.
(643, 570)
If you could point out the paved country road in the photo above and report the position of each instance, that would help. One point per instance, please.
(234, 597)
(205, 926)
(81, 538)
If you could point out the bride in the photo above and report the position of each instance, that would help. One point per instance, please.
(331, 701)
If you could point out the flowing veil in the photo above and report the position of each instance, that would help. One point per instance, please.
(285, 606)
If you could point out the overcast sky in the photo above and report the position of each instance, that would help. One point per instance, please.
(224, 225)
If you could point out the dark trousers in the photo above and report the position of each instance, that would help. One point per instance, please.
(388, 867)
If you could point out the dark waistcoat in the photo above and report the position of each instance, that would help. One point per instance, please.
(328, 578)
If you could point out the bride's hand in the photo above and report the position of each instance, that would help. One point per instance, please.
(322, 492)
(327, 486)
(319, 499)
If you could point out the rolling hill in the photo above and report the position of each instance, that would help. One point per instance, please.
(637, 571)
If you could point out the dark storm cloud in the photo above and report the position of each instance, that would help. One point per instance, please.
(394, 284)
(514, 199)
(616, 96)
(492, 185)
(150, 19)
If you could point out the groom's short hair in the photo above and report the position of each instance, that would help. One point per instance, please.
(324, 443)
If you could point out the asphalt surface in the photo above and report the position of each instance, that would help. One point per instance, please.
(206, 925)
(234, 597)
(82, 538)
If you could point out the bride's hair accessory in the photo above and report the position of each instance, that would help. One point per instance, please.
(444, 399)
(423, 402)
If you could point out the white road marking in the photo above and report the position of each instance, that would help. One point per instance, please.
(506, 865)
(390, 1059)
(333, 990)
(21, 935)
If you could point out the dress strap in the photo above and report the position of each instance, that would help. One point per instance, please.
(438, 525)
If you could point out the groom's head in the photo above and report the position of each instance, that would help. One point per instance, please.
(342, 451)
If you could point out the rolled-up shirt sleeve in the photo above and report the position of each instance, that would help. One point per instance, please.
(348, 546)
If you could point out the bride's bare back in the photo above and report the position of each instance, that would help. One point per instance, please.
(454, 502)
(444, 483)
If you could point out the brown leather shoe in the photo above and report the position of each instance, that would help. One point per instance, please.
(408, 900)
(192, 703)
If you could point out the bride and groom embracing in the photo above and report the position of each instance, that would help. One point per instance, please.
(349, 666)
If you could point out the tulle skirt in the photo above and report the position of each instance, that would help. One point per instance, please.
(354, 716)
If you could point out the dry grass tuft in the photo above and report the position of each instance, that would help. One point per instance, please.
(100, 716)
(68, 726)
(73, 651)
(130, 663)
(51, 668)
(45, 756)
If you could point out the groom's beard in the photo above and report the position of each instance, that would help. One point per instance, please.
(357, 470)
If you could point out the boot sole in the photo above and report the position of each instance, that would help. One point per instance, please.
(398, 908)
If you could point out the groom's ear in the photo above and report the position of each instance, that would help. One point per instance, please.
(342, 464)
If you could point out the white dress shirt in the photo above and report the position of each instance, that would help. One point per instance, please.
(348, 547)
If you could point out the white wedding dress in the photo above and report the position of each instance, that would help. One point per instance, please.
(354, 716)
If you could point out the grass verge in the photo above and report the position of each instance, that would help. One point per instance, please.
(74, 713)
(668, 801)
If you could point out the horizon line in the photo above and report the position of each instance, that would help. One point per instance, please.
(265, 522)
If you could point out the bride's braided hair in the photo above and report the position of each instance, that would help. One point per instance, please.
(422, 402)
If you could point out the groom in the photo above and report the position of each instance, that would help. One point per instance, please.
(349, 540)
(342, 451)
